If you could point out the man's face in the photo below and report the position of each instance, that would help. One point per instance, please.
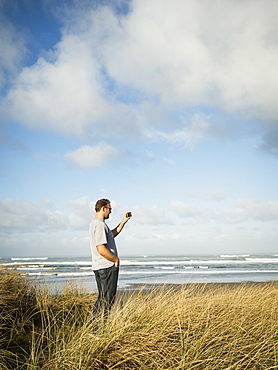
(107, 211)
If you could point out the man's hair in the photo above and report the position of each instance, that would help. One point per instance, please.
(101, 203)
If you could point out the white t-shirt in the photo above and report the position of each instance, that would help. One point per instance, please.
(101, 234)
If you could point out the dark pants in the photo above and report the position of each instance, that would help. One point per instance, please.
(107, 280)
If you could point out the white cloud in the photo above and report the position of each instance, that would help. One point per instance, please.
(26, 216)
(121, 75)
(252, 209)
(80, 213)
(206, 240)
(91, 156)
(185, 210)
(56, 220)
(63, 93)
(26, 227)
(245, 210)
(194, 52)
(13, 50)
(195, 129)
(67, 91)
(46, 244)
(216, 195)
(152, 215)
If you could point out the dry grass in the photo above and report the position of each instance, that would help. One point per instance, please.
(190, 327)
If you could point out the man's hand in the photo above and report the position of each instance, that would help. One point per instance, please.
(117, 263)
(127, 216)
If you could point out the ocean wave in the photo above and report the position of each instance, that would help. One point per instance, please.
(75, 273)
(28, 258)
(59, 274)
(262, 260)
(37, 274)
(234, 255)
(196, 271)
(226, 272)
(36, 268)
(52, 263)
(200, 262)
(15, 264)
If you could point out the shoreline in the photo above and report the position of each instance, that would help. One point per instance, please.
(247, 282)
(175, 286)
(198, 288)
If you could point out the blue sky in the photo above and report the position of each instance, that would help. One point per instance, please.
(168, 108)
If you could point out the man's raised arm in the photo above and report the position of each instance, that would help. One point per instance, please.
(121, 225)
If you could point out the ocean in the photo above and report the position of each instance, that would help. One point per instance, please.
(137, 271)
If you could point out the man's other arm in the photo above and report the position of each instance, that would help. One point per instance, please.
(104, 252)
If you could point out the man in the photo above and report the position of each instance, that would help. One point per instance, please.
(105, 260)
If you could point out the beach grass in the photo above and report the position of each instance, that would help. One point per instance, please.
(194, 326)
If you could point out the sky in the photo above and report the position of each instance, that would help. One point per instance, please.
(169, 108)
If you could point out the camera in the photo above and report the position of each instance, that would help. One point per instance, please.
(129, 214)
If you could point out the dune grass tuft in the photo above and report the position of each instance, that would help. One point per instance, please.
(186, 327)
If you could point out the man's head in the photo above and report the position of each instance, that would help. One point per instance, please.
(103, 206)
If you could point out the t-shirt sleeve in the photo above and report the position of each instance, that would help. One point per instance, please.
(99, 234)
